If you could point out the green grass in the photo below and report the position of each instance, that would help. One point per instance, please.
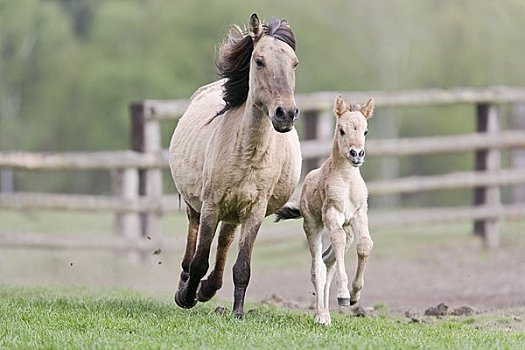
(77, 318)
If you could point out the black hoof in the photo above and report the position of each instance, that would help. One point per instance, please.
(184, 276)
(344, 301)
(181, 301)
(238, 315)
(204, 295)
(353, 302)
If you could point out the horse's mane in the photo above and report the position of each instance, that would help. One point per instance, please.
(234, 59)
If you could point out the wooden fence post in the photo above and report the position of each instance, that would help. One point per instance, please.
(146, 139)
(518, 155)
(487, 160)
(127, 224)
(311, 119)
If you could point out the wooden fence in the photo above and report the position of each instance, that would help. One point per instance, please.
(139, 201)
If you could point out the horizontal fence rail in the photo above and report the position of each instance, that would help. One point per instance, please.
(138, 200)
(309, 149)
(323, 101)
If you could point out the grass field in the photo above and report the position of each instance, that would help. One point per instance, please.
(36, 318)
(65, 314)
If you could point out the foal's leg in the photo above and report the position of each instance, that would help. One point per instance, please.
(333, 220)
(364, 248)
(329, 260)
(191, 241)
(214, 281)
(186, 296)
(318, 272)
(241, 268)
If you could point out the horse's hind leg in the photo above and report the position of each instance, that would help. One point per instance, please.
(186, 296)
(214, 281)
(364, 248)
(318, 273)
(191, 242)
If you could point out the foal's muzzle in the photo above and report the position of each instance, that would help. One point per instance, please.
(283, 119)
(356, 156)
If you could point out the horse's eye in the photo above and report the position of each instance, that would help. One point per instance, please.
(342, 132)
(295, 65)
(366, 132)
(259, 62)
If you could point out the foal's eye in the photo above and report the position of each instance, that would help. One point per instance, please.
(259, 62)
(366, 132)
(342, 132)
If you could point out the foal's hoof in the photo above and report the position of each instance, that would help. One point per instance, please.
(323, 319)
(353, 302)
(344, 301)
(204, 294)
(182, 302)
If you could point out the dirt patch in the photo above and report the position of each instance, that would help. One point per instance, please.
(400, 276)
(461, 275)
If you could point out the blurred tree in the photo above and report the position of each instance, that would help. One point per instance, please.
(81, 13)
(69, 68)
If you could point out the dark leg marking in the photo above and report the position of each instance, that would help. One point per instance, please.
(213, 283)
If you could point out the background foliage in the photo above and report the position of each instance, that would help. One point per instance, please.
(69, 68)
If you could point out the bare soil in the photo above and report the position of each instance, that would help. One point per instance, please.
(406, 273)
(461, 273)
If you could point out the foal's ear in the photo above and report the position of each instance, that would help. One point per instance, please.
(340, 106)
(368, 109)
(256, 28)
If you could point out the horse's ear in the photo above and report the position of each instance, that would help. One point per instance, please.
(256, 28)
(368, 109)
(340, 106)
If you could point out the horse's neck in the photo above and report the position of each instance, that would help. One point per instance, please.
(256, 134)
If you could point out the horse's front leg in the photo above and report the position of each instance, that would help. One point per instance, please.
(191, 242)
(185, 297)
(333, 220)
(241, 268)
(213, 283)
(364, 249)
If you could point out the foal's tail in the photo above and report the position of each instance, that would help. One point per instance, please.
(288, 211)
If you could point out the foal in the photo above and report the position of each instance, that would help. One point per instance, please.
(334, 197)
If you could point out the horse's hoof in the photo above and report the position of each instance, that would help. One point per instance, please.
(323, 319)
(238, 315)
(203, 295)
(353, 302)
(182, 302)
(344, 301)
(184, 276)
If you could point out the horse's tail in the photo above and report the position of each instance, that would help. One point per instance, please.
(288, 211)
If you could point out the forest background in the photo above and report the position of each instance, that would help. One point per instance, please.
(70, 68)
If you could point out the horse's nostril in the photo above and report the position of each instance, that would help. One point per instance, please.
(353, 153)
(280, 112)
(362, 153)
(295, 113)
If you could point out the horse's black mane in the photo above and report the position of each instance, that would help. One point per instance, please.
(234, 60)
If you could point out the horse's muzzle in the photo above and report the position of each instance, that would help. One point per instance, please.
(356, 157)
(284, 119)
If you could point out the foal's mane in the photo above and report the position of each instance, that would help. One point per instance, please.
(234, 59)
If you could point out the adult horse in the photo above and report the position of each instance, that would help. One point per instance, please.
(235, 155)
